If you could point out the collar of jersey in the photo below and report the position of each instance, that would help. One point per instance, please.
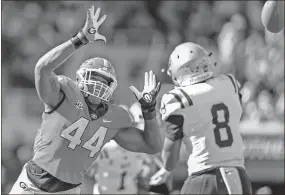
(197, 79)
(100, 111)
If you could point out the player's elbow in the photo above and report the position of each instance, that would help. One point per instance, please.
(42, 67)
(154, 146)
(47, 62)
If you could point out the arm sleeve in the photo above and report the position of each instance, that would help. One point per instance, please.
(239, 91)
(62, 82)
(174, 127)
(121, 117)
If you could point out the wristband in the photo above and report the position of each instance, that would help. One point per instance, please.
(82, 37)
(79, 40)
(149, 114)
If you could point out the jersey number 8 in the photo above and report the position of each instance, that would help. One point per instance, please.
(221, 125)
(79, 127)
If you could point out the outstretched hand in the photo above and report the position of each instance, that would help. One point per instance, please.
(92, 24)
(147, 97)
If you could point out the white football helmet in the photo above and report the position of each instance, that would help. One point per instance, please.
(189, 63)
(99, 67)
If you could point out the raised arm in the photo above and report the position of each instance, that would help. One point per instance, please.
(47, 84)
(46, 81)
(149, 140)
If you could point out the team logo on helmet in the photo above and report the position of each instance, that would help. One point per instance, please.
(23, 185)
(147, 97)
(79, 105)
(206, 68)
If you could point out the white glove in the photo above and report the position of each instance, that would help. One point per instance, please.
(147, 98)
(92, 24)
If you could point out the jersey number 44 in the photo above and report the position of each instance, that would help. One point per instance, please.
(78, 129)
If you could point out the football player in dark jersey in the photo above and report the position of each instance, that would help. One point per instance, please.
(78, 119)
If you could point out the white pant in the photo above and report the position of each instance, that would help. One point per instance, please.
(24, 186)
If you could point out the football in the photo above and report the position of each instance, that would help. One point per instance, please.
(272, 16)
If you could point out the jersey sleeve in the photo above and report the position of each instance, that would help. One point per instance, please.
(236, 86)
(174, 127)
(235, 83)
(173, 119)
(63, 85)
(239, 91)
(175, 101)
(70, 94)
(169, 104)
(66, 84)
(121, 117)
(69, 87)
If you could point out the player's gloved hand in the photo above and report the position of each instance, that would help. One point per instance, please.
(147, 98)
(160, 177)
(92, 24)
(89, 32)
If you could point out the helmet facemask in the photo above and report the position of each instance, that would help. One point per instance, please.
(96, 88)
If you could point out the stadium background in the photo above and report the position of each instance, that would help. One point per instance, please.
(140, 36)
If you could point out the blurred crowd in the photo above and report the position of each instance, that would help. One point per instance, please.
(231, 30)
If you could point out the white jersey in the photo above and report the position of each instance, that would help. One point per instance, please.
(211, 112)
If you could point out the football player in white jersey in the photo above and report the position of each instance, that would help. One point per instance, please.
(203, 111)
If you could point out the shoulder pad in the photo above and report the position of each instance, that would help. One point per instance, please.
(234, 82)
(69, 87)
(173, 101)
(66, 81)
(119, 116)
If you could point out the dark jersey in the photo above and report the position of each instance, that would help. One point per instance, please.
(68, 141)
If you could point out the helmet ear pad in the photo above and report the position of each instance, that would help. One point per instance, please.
(82, 87)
